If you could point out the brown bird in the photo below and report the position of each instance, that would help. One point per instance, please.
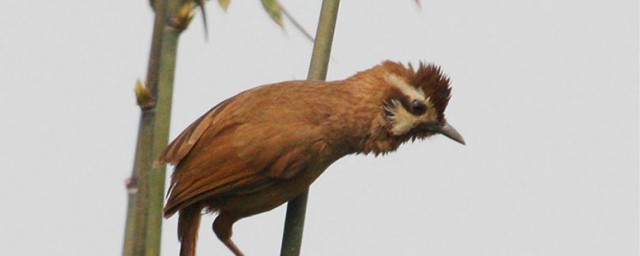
(262, 147)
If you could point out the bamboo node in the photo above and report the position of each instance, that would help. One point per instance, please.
(183, 17)
(132, 185)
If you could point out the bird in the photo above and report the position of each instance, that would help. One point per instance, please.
(264, 146)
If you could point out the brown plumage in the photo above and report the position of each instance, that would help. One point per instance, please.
(261, 148)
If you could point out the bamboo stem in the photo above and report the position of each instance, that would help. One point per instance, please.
(146, 185)
(143, 157)
(135, 231)
(180, 17)
(135, 216)
(296, 208)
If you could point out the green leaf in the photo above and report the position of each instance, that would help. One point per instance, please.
(224, 4)
(272, 7)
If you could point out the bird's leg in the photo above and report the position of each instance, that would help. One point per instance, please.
(232, 247)
(222, 226)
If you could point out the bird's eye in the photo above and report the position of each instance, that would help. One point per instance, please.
(417, 108)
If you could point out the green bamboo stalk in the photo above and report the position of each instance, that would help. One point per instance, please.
(296, 208)
(137, 208)
(146, 185)
(137, 194)
(180, 14)
(139, 217)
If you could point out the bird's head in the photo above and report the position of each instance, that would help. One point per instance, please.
(415, 103)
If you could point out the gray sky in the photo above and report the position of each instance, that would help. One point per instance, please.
(544, 92)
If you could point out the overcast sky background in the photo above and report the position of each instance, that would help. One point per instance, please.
(544, 92)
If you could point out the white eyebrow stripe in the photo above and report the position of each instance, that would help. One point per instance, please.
(405, 88)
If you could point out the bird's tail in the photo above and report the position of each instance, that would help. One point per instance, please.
(188, 223)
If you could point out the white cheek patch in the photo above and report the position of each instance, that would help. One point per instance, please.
(402, 121)
(404, 87)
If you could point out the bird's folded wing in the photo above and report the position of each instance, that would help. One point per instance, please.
(183, 144)
(242, 158)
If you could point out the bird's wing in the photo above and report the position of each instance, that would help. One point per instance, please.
(245, 159)
(219, 155)
(183, 144)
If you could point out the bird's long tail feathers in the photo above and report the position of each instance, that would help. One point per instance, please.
(188, 224)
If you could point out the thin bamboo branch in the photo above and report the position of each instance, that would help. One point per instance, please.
(180, 15)
(296, 208)
(142, 162)
(137, 188)
(132, 229)
(146, 185)
(324, 39)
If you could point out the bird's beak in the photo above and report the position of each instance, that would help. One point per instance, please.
(447, 130)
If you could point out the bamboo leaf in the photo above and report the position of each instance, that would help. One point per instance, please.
(224, 4)
(296, 24)
(272, 7)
